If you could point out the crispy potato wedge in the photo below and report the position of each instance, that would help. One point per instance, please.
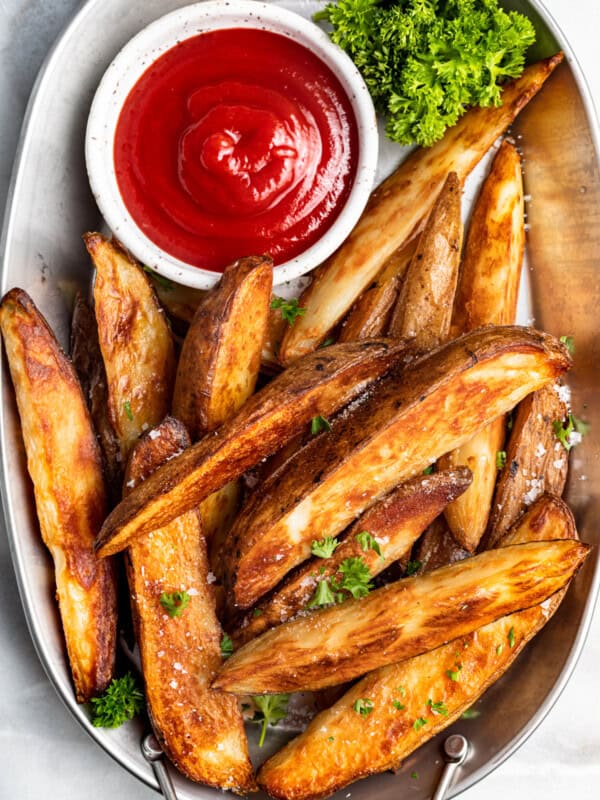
(88, 363)
(220, 357)
(331, 752)
(395, 522)
(400, 620)
(200, 729)
(320, 384)
(408, 420)
(423, 309)
(487, 294)
(536, 462)
(397, 209)
(135, 340)
(60, 442)
(370, 315)
(437, 548)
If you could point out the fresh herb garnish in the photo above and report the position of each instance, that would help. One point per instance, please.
(500, 459)
(398, 705)
(573, 433)
(174, 603)
(470, 713)
(330, 340)
(428, 470)
(226, 646)
(323, 595)
(425, 61)
(499, 649)
(419, 723)
(511, 637)
(401, 689)
(324, 548)
(122, 700)
(363, 706)
(319, 424)
(413, 566)
(289, 309)
(354, 578)
(257, 612)
(128, 411)
(166, 284)
(453, 673)
(569, 343)
(438, 708)
(271, 709)
(368, 542)
(330, 739)
(414, 775)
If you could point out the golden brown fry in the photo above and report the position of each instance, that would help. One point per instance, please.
(424, 306)
(220, 357)
(60, 443)
(536, 462)
(407, 421)
(135, 341)
(399, 206)
(437, 548)
(400, 620)
(200, 729)
(331, 752)
(88, 363)
(487, 294)
(370, 315)
(319, 384)
(395, 522)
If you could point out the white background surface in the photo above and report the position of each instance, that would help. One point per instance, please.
(43, 751)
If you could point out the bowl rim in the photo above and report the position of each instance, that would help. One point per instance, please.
(149, 44)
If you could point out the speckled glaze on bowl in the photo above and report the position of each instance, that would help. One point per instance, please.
(151, 43)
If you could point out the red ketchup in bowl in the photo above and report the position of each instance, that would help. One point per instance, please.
(236, 142)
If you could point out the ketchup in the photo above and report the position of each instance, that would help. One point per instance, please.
(236, 142)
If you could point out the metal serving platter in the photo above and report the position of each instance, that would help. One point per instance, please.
(50, 206)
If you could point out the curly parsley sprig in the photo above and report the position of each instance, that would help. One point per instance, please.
(122, 701)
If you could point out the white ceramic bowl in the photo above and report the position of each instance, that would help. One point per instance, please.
(152, 42)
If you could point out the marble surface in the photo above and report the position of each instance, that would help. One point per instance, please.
(43, 752)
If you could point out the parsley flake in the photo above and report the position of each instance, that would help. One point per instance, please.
(500, 459)
(499, 649)
(511, 637)
(368, 542)
(363, 706)
(330, 739)
(398, 705)
(122, 700)
(127, 410)
(319, 424)
(330, 340)
(438, 708)
(324, 548)
(572, 434)
(453, 673)
(257, 612)
(413, 566)
(470, 713)
(428, 470)
(323, 595)
(419, 723)
(356, 577)
(289, 309)
(569, 343)
(226, 646)
(174, 603)
(414, 775)
(272, 708)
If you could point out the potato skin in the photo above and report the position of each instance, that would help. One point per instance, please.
(200, 729)
(60, 443)
(135, 340)
(396, 522)
(221, 354)
(319, 384)
(437, 548)
(409, 419)
(397, 209)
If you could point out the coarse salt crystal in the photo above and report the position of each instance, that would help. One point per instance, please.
(540, 450)
(173, 684)
(558, 463)
(154, 434)
(177, 666)
(210, 578)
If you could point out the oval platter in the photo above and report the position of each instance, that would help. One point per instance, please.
(50, 206)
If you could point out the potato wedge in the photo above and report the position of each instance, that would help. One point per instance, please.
(320, 384)
(60, 442)
(397, 209)
(400, 620)
(423, 309)
(220, 357)
(331, 752)
(200, 729)
(487, 295)
(89, 366)
(395, 522)
(370, 315)
(437, 548)
(135, 341)
(410, 419)
(536, 462)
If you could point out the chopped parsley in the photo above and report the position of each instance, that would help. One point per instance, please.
(569, 343)
(289, 309)
(401, 689)
(572, 434)
(428, 470)
(353, 576)
(419, 723)
(398, 705)
(330, 340)
(499, 649)
(363, 706)
(127, 410)
(226, 646)
(453, 673)
(438, 708)
(500, 459)
(122, 701)
(330, 739)
(413, 566)
(174, 603)
(319, 424)
(414, 775)
(272, 708)
(368, 542)
(470, 713)
(323, 595)
(257, 612)
(324, 548)
(511, 637)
